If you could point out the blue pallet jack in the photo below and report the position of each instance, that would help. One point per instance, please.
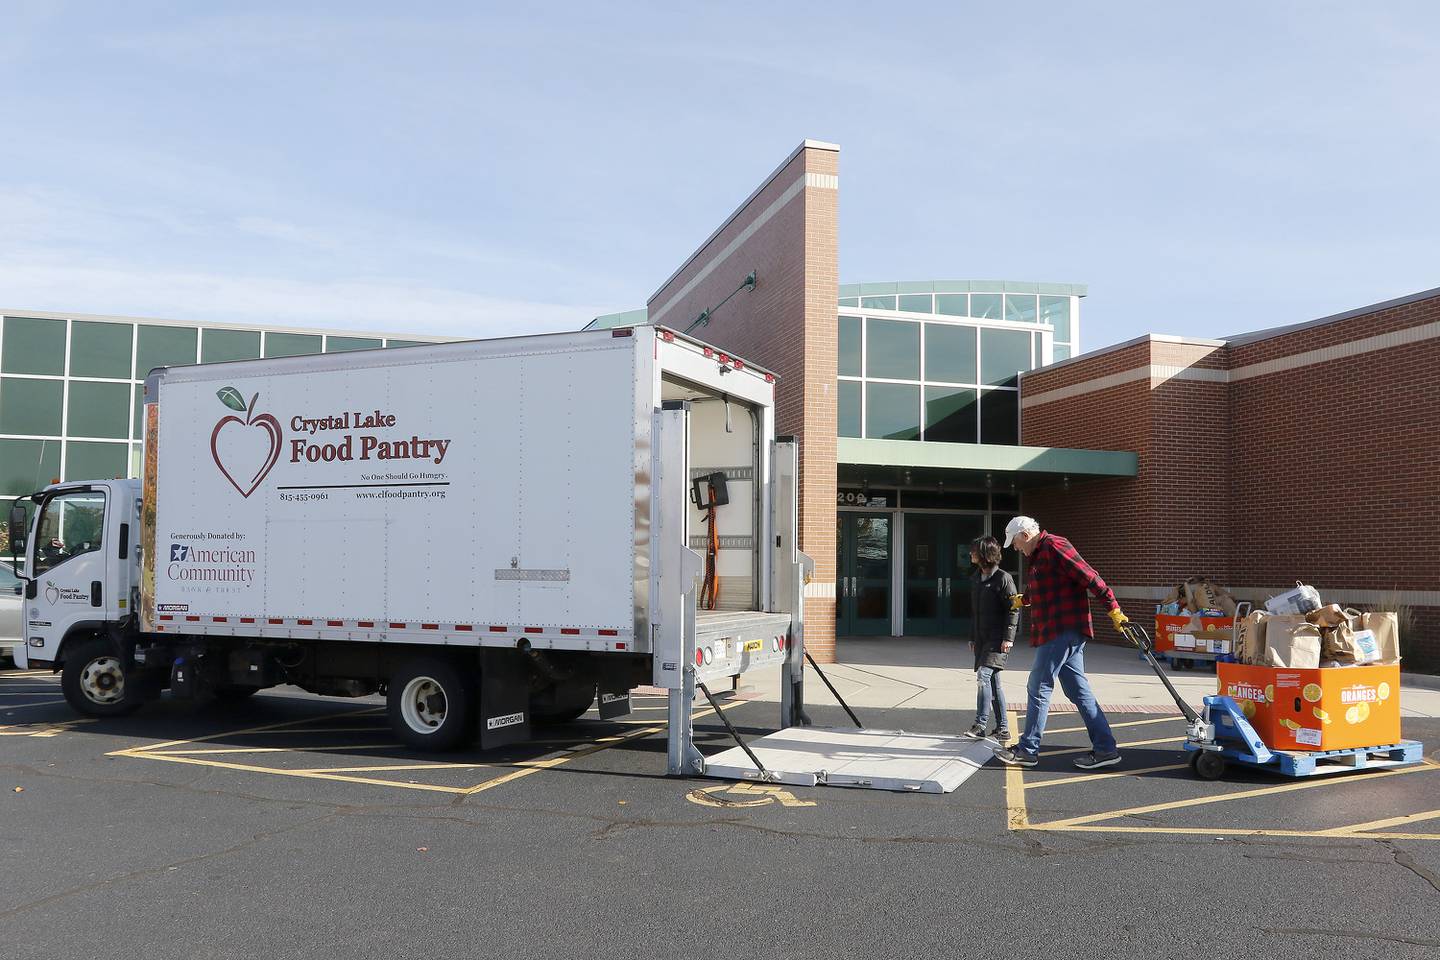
(1221, 735)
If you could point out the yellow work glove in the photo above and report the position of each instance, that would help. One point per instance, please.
(1118, 618)
(1017, 601)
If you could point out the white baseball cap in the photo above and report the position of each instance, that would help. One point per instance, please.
(1019, 525)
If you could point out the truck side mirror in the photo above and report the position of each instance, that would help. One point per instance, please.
(17, 529)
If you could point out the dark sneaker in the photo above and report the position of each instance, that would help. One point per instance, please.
(1018, 758)
(1001, 736)
(977, 732)
(1094, 761)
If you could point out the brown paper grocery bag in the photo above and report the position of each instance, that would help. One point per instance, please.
(1291, 641)
(1387, 632)
(1250, 638)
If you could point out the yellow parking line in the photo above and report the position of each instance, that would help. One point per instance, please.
(394, 766)
(248, 730)
(1387, 822)
(342, 746)
(1066, 781)
(1018, 813)
(1127, 723)
(370, 729)
(1118, 746)
(21, 706)
(250, 768)
(1236, 831)
(1221, 798)
(535, 766)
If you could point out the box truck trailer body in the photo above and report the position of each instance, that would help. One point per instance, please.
(490, 532)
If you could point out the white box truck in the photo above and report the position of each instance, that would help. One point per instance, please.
(489, 533)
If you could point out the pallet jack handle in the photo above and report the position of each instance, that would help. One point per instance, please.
(1136, 634)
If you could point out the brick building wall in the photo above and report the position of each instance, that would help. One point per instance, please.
(1310, 452)
(788, 233)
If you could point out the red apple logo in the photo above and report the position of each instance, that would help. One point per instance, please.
(251, 454)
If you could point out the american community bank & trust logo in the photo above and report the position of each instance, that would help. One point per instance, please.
(244, 450)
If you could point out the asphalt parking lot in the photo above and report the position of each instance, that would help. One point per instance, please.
(292, 826)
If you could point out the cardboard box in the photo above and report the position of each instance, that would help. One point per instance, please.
(1166, 626)
(1321, 709)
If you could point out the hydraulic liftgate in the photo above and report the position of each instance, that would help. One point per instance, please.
(798, 753)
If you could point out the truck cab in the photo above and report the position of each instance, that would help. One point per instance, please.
(79, 560)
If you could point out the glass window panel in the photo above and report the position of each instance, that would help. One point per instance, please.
(1037, 358)
(406, 343)
(848, 403)
(98, 410)
(100, 349)
(986, 306)
(878, 303)
(892, 349)
(953, 304)
(950, 415)
(70, 525)
(291, 344)
(27, 465)
(137, 453)
(892, 411)
(92, 460)
(137, 405)
(1020, 307)
(916, 302)
(34, 346)
(164, 347)
(31, 407)
(950, 353)
(849, 301)
(850, 346)
(1003, 354)
(947, 500)
(1056, 312)
(1000, 416)
(217, 346)
(344, 344)
(1061, 351)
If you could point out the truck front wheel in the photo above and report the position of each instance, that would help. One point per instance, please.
(431, 704)
(94, 683)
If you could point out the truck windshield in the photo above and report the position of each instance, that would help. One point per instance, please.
(70, 525)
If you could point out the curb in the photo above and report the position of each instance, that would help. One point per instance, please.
(1424, 681)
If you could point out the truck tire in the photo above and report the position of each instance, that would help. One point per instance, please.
(563, 702)
(94, 683)
(431, 704)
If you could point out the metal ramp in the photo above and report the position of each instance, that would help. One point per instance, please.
(873, 759)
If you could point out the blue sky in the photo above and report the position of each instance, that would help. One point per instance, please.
(484, 169)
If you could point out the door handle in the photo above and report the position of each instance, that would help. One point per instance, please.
(939, 586)
(94, 593)
(947, 586)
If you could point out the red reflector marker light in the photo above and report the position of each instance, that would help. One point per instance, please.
(699, 658)
(621, 332)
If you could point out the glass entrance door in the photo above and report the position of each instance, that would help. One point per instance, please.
(937, 572)
(862, 594)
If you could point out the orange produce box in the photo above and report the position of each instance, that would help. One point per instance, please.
(1327, 709)
(1253, 688)
(1167, 625)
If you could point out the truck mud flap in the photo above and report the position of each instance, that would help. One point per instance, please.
(614, 705)
(504, 698)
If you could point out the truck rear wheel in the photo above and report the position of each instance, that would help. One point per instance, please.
(94, 683)
(431, 704)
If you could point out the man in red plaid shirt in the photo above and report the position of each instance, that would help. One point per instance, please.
(1058, 587)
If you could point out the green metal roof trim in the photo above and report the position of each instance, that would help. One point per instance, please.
(962, 286)
(997, 458)
(627, 318)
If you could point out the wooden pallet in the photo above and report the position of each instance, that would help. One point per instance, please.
(1322, 762)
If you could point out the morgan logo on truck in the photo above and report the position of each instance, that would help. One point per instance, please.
(248, 455)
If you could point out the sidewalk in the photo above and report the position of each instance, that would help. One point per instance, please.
(935, 673)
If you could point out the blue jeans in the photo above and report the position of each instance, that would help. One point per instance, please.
(987, 681)
(1063, 657)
